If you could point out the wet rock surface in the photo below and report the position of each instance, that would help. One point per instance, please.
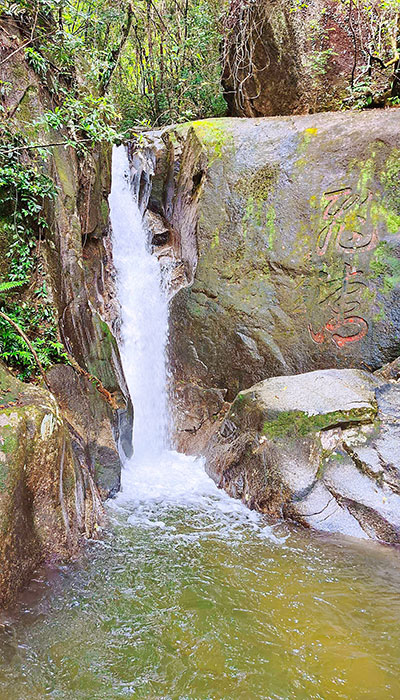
(98, 433)
(321, 449)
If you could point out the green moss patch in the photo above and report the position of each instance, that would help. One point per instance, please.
(215, 135)
(390, 178)
(386, 267)
(258, 184)
(299, 424)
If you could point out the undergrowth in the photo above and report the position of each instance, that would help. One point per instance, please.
(24, 190)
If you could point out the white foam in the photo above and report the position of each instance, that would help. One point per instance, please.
(156, 479)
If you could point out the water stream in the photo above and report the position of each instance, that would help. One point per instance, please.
(191, 596)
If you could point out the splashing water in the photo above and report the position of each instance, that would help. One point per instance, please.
(156, 479)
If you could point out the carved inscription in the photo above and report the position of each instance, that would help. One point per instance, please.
(348, 233)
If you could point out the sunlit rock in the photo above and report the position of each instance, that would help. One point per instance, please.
(320, 448)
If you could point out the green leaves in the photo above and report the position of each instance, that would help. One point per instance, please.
(23, 192)
(39, 324)
(87, 120)
(36, 61)
(9, 286)
(24, 189)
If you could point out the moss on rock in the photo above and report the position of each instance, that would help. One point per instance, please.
(214, 135)
(292, 424)
(258, 183)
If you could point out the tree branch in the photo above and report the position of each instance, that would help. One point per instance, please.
(116, 52)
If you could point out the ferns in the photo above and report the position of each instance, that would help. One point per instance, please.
(9, 286)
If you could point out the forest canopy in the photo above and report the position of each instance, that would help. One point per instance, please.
(159, 60)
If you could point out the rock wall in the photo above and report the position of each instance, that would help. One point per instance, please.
(93, 429)
(296, 260)
(48, 501)
(77, 250)
(288, 57)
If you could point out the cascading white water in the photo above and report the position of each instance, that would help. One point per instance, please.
(156, 478)
(154, 472)
(144, 312)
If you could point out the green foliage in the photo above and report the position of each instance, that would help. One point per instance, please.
(8, 286)
(158, 60)
(36, 60)
(170, 68)
(24, 190)
(74, 48)
(37, 321)
(88, 119)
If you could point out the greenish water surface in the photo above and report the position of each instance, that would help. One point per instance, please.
(201, 601)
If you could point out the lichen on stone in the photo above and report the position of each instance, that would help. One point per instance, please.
(215, 135)
(258, 183)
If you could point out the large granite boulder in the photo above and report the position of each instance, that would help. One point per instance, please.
(291, 57)
(322, 449)
(47, 502)
(289, 229)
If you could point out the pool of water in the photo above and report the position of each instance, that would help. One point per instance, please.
(191, 596)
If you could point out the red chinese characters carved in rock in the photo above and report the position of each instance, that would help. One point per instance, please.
(347, 229)
(341, 204)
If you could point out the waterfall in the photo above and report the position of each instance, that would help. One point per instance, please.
(144, 314)
(156, 478)
(155, 473)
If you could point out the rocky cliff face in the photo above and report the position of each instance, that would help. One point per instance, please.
(290, 231)
(92, 419)
(288, 57)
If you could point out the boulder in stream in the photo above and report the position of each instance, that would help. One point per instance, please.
(321, 449)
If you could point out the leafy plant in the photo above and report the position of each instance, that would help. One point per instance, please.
(87, 119)
(28, 338)
(8, 286)
(28, 329)
(36, 60)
